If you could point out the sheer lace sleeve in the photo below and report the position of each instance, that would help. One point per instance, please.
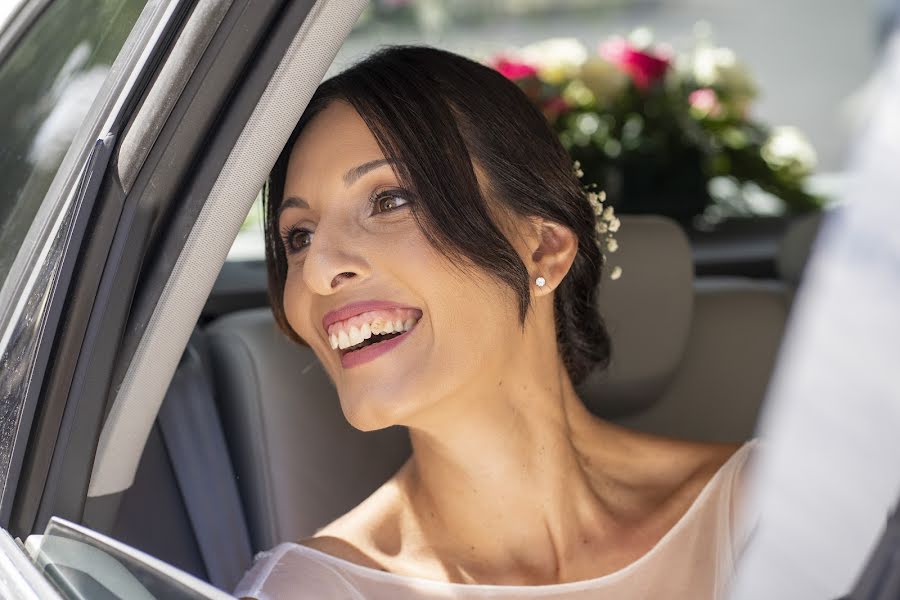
(284, 573)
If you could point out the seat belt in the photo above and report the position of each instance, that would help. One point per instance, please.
(192, 434)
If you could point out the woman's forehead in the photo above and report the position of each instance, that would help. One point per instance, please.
(335, 140)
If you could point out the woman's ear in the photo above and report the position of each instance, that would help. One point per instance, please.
(553, 248)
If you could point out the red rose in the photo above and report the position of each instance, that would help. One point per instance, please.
(644, 68)
(514, 70)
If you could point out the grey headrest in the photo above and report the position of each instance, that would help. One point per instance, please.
(647, 312)
(287, 433)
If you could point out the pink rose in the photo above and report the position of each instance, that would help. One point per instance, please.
(705, 102)
(514, 70)
(644, 68)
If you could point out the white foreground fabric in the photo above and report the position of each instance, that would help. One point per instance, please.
(829, 478)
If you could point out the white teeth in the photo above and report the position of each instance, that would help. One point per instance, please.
(343, 340)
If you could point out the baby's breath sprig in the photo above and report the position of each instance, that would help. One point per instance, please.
(607, 221)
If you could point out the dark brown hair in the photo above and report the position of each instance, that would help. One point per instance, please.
(437, 114)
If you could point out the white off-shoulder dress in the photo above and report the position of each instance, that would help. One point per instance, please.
(695, 559)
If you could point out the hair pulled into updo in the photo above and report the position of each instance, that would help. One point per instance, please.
(437, 114)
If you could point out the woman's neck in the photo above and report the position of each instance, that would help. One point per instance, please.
(505, 481)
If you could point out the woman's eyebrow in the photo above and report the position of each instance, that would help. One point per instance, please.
(292, 202)
(356, 172)
(349, 178)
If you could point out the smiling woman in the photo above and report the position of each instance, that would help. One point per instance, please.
(427, 238)
(444, 149)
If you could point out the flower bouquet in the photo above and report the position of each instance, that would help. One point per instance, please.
(665, 133)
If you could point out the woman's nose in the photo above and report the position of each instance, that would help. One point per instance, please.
(332, 263)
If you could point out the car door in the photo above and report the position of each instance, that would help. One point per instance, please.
(112, 154)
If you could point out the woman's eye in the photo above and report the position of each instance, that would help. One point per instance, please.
(296, 239)
(389, 201)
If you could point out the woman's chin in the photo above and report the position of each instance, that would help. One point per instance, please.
(369, 413)
(383, 396)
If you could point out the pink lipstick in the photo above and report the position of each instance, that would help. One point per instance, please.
(373, 351)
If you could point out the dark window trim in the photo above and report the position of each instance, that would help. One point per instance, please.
(20, 498)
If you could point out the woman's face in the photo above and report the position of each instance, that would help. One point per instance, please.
(350, 237)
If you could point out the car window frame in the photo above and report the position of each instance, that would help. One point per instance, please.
(139, 247)
(34, 292)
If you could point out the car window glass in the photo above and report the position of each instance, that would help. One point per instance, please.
(49, 82)
(83, 563)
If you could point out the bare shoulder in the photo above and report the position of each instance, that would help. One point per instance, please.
(694, 463)
(682, 472)
(661, 470)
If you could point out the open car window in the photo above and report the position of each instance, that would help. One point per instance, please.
(742, 213)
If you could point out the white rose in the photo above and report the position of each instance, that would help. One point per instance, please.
(720, 68)
(788, 148)
(605, 80)
(557, 59)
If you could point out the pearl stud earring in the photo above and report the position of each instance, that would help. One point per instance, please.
(540, 281)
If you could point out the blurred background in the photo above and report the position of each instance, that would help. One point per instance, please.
(758, 98)
(733, 118)
(809, 57)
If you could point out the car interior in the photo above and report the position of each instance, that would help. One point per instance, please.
(223, 438)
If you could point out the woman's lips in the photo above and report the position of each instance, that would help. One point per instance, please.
(371, 352)
(355, 308)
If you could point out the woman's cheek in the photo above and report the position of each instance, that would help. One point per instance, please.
(296, 305)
